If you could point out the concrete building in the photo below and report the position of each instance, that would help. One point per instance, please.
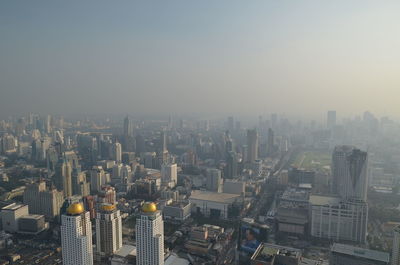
(32, 224)
(252, 145)
(97, 179)
(396, 246)
(117, 152)
(331, 119)
(214, 180)
(346, 254)
(178, 211)
(337, 220)
(126, 255)
(169, 175)
(270, 254)
(349, 173)
(150, 236)
(10, 216)
(76, 236)
(63, 177)
(42, 200)
(108, 230)
(234, 187)
(213, 204)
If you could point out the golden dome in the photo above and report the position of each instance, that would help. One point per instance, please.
(149, 207)
(108, 207)
(75, 208)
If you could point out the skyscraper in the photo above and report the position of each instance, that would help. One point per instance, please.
(231, 165)
(331, 119)
(349, 170)
(270, 142)
(396, 246)
(169, 174)
(117, 152)
(252, 145)
(108, 230)
(76, 236)
(97, 178)
(214, 180)
(128, 126)
(63, 177)
(150, 236)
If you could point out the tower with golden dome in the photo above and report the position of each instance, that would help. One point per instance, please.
(76, 236)
(150, 236)
(108, 230)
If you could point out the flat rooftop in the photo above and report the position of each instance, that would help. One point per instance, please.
(323, 200)
(126, 250)
(266, 252)
(360, 252)
(295, 194)
(13, 207)
(213, 196)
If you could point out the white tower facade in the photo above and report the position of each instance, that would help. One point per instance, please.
(76, 236)
(108, 230)
(169, 174)
(150, 236)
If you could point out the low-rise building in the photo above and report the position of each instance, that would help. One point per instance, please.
(346, 254)
(177, 211)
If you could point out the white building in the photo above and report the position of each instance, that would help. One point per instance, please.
(337, 220)
(213, 204)
(97, 178)
(126, 174)
(150, 236)
(76, 236)
(10, 215)
(396, 246)
(108, 230)
(116, 173)
(117, 152)
(169, 174)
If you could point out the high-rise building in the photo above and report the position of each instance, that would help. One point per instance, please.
(80, 185)
(150, 236)
(214, 180)
(43, 201)
(331, 119)
(126, 174)
(231, 168)
(270, 142)
(252, 145)
(349, 172)
(97, 178)
(231, 124)
(117, 152)
(108, 230)
(63, 177)
(128, 127)
(76, 236)
(396, 246)
(116, 173)
(169, 174)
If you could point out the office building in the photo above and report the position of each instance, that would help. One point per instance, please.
(150, 236)
(63, 177)
(108, 230)
(349, 173)
(252, 145)
(234, 187)
(177, 211)
(97, 178)
(270, 142)
(10, 216)
(346, 254)
(117, 152)
(169, 175)
(396, 246)
(331, 119)
(231, 169)
(76, 236)
(128, 127)
(214, 180)
(41, 200)
(338, 220)
(80, 185)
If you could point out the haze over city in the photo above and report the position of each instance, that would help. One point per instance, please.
(205, 57)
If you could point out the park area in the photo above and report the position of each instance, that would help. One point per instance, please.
(313, 160)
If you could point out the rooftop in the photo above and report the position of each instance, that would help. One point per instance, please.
(126, 250)
(13, 207)
(323, 200)
(213, 196)
(360, 252)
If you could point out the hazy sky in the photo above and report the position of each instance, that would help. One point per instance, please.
(225, 57)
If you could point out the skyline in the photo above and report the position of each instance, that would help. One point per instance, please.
(219, 58)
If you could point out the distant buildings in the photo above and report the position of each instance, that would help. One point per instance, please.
(252, 145)
(150, 236)
(10, 216)
(63, 177)
(76, 236)
(331, 119)
(214, 180)
(169, 175)
(346, 254)
(177, 211)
